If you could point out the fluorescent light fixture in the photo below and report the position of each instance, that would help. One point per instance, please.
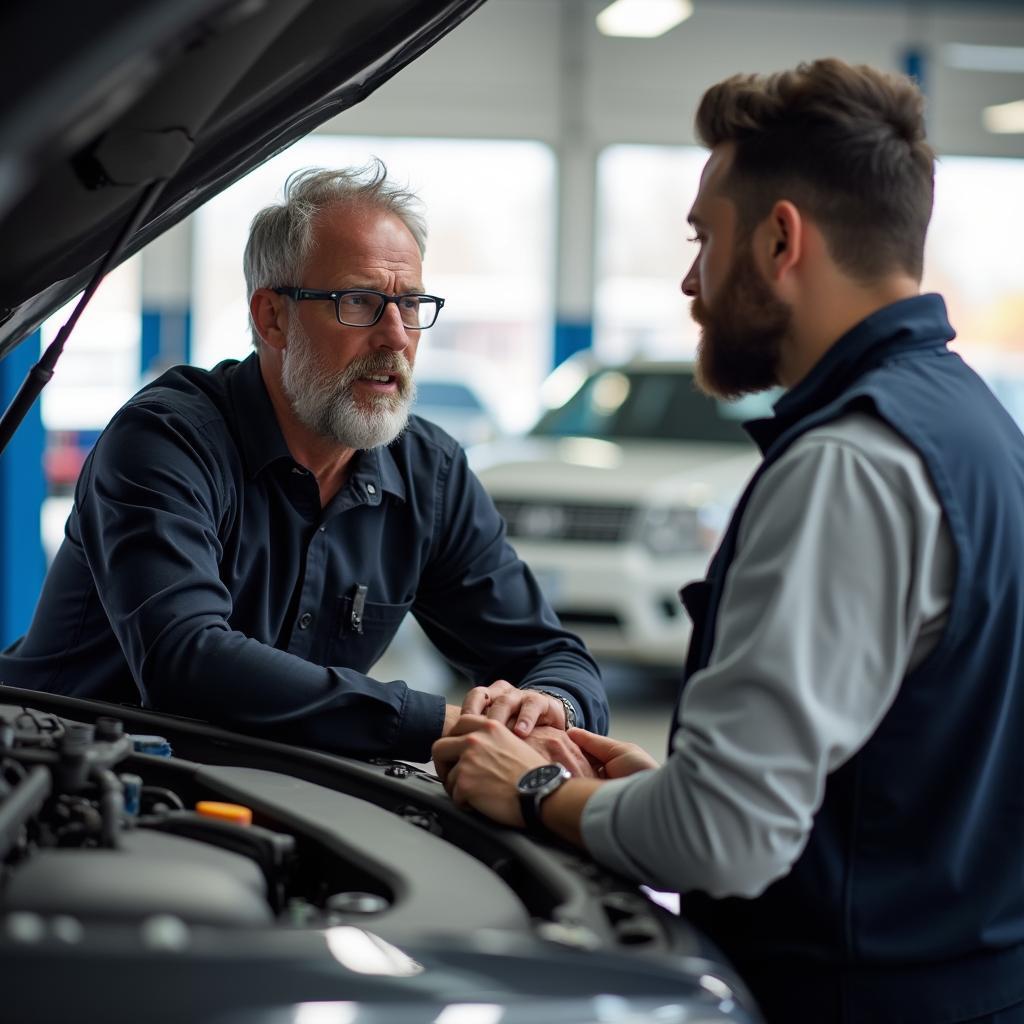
(642, 19)
(1004, 118)
(967, 57)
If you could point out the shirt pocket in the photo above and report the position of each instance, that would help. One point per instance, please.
(364, 630)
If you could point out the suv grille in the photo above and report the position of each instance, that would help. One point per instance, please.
(544, 520)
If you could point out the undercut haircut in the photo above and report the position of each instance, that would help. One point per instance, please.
(281, 236)
(845, 144)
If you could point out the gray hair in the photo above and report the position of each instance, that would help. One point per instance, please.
(281, 236)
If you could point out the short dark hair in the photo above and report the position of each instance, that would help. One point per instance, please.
(845, 143)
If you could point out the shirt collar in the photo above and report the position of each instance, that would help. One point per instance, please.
(374, 471)
(913, 324)
(262, 442)
(259, 433)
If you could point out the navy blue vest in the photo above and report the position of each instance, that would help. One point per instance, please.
(907, 904)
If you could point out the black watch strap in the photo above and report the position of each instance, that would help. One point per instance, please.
(529, 806)
(534, 787)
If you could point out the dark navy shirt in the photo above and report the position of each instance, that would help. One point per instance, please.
(199, 575)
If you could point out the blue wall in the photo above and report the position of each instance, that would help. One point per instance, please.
(22, 489)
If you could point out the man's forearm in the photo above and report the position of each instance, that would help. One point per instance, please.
(241, 683)
(572, 674)
(451, 716)
(562, 812)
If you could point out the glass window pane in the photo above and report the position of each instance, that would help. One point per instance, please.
(99, 368)
(645, 192)
(97, 373)
(972, 258)
(643, 196)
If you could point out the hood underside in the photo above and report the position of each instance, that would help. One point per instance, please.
(103, 99)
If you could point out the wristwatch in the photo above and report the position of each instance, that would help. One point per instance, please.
(570, 711)
(534, 787)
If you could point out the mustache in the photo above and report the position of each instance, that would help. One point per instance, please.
(376, 363)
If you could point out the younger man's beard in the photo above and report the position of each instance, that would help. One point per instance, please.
(740, 346)
(325, 402)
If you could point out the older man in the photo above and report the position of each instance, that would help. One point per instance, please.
(245, 541)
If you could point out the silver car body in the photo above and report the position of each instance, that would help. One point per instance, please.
(613, 526)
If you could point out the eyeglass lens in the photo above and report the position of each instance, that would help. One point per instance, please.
(360, 309)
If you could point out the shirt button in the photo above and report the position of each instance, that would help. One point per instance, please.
(370, 489)
(323, 529)
(304, 620)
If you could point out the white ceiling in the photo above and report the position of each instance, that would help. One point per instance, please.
(539, 69)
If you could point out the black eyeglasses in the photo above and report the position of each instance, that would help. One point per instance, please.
(362, 307)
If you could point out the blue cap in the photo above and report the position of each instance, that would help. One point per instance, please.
(155, 745)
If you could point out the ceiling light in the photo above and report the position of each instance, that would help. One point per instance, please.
(642, 19)
(1004, 118)
(968, 57)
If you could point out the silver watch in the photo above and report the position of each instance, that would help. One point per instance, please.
(570, 711)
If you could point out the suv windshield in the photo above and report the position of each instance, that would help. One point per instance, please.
(651, 404)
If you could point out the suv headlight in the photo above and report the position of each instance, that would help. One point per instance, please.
(682, 529)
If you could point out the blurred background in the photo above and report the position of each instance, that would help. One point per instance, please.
(557, 162)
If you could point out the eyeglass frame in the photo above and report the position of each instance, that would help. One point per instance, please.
(298, 294)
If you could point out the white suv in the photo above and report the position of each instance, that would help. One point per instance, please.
(617, 497)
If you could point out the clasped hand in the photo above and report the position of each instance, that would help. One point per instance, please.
(537, 718)
(519, 709)
(481, 761)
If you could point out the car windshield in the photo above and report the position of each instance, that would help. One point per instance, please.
(651, 404)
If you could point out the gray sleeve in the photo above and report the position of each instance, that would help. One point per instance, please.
(840, 582)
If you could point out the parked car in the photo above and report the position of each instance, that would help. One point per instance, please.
(456, 391)
(617, 497)
(457, 408)
(160, 869)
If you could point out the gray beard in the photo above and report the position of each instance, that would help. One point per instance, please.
(324, 402)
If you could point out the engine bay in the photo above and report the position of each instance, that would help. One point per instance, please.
(102, 824)
(141, 851)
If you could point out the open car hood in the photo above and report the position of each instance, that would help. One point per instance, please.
(102, 99)
(358, 893)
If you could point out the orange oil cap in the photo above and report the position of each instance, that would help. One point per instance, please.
(225, 812)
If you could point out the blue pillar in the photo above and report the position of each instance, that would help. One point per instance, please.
(915, 64)
(166, 339)
(166, 335)
(22, 490)
(571, 336)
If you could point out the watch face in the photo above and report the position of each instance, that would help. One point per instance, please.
(539, 777)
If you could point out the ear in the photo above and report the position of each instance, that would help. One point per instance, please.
(269, 314)
(782, 242)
